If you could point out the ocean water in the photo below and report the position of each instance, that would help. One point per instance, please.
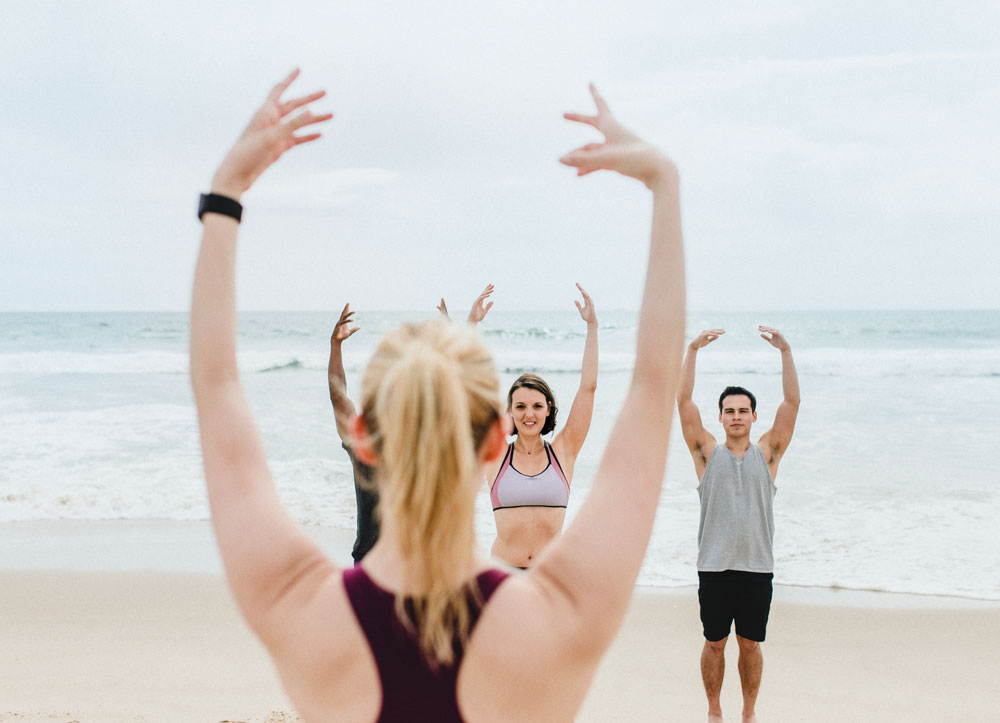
(891, 481)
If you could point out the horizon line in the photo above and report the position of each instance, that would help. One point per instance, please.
(502, 311)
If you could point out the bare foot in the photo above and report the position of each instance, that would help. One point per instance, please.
(750, 718)
(715, 718)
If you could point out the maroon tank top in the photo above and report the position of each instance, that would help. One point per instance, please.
(411, 689)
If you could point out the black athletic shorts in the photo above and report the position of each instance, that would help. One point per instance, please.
(734, 595)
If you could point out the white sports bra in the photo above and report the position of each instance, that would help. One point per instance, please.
(548, 488)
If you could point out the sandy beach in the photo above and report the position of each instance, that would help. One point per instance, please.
(152, 647)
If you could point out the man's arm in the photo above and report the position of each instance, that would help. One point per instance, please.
(343, 408)
(698, 438)
(776, 439)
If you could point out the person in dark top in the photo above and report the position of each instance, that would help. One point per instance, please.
(343, 412)
(424, 604)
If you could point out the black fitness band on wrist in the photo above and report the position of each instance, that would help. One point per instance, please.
(214, 203)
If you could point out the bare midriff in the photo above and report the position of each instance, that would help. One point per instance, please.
(522, 532)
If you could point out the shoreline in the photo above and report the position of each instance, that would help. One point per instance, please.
(188, 547)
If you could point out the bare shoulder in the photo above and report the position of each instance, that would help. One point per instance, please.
(527, 640)
(316, 639)
(303, 609)
(492, 469)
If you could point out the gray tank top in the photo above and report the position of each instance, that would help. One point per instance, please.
(736, 531)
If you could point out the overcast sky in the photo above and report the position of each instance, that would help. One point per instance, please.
(832, 155)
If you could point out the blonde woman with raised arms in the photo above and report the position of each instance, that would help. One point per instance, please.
(422, 629)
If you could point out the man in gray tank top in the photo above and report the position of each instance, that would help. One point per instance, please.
(736, 530)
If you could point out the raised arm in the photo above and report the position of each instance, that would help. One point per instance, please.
(343, 407)
(698, 438)
(574, 432)
(592, 567)
(776, 440)
(262, 549)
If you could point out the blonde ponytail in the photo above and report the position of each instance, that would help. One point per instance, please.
(429, 394)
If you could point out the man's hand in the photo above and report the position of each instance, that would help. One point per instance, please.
(586, 309)
(774, 338)
(479, 307)
(342, 330)
(706, 337)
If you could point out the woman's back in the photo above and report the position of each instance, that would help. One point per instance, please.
(408, 683)
(431, 423)
(521, 661)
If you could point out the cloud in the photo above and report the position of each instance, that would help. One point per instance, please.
(730, 74)
(325, 190)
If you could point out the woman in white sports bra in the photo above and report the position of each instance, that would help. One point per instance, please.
(529, 485)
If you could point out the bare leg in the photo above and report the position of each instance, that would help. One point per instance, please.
(713, 667)
(751, 667)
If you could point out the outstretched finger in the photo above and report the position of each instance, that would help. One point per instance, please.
(302, 120)
(289, 105)
(281, 86)
(590, 120)
(306, 118)
(602, 105)
(298, 140)
(582, 151)
(584, 159)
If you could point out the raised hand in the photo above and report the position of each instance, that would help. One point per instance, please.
(343, 330)
(479, 311)
(706, 337)
(443, 308)
(266, 138)
(774, 338)
(622, 150)
(586, 309)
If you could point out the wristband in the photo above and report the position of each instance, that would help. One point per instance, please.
(214, 203)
